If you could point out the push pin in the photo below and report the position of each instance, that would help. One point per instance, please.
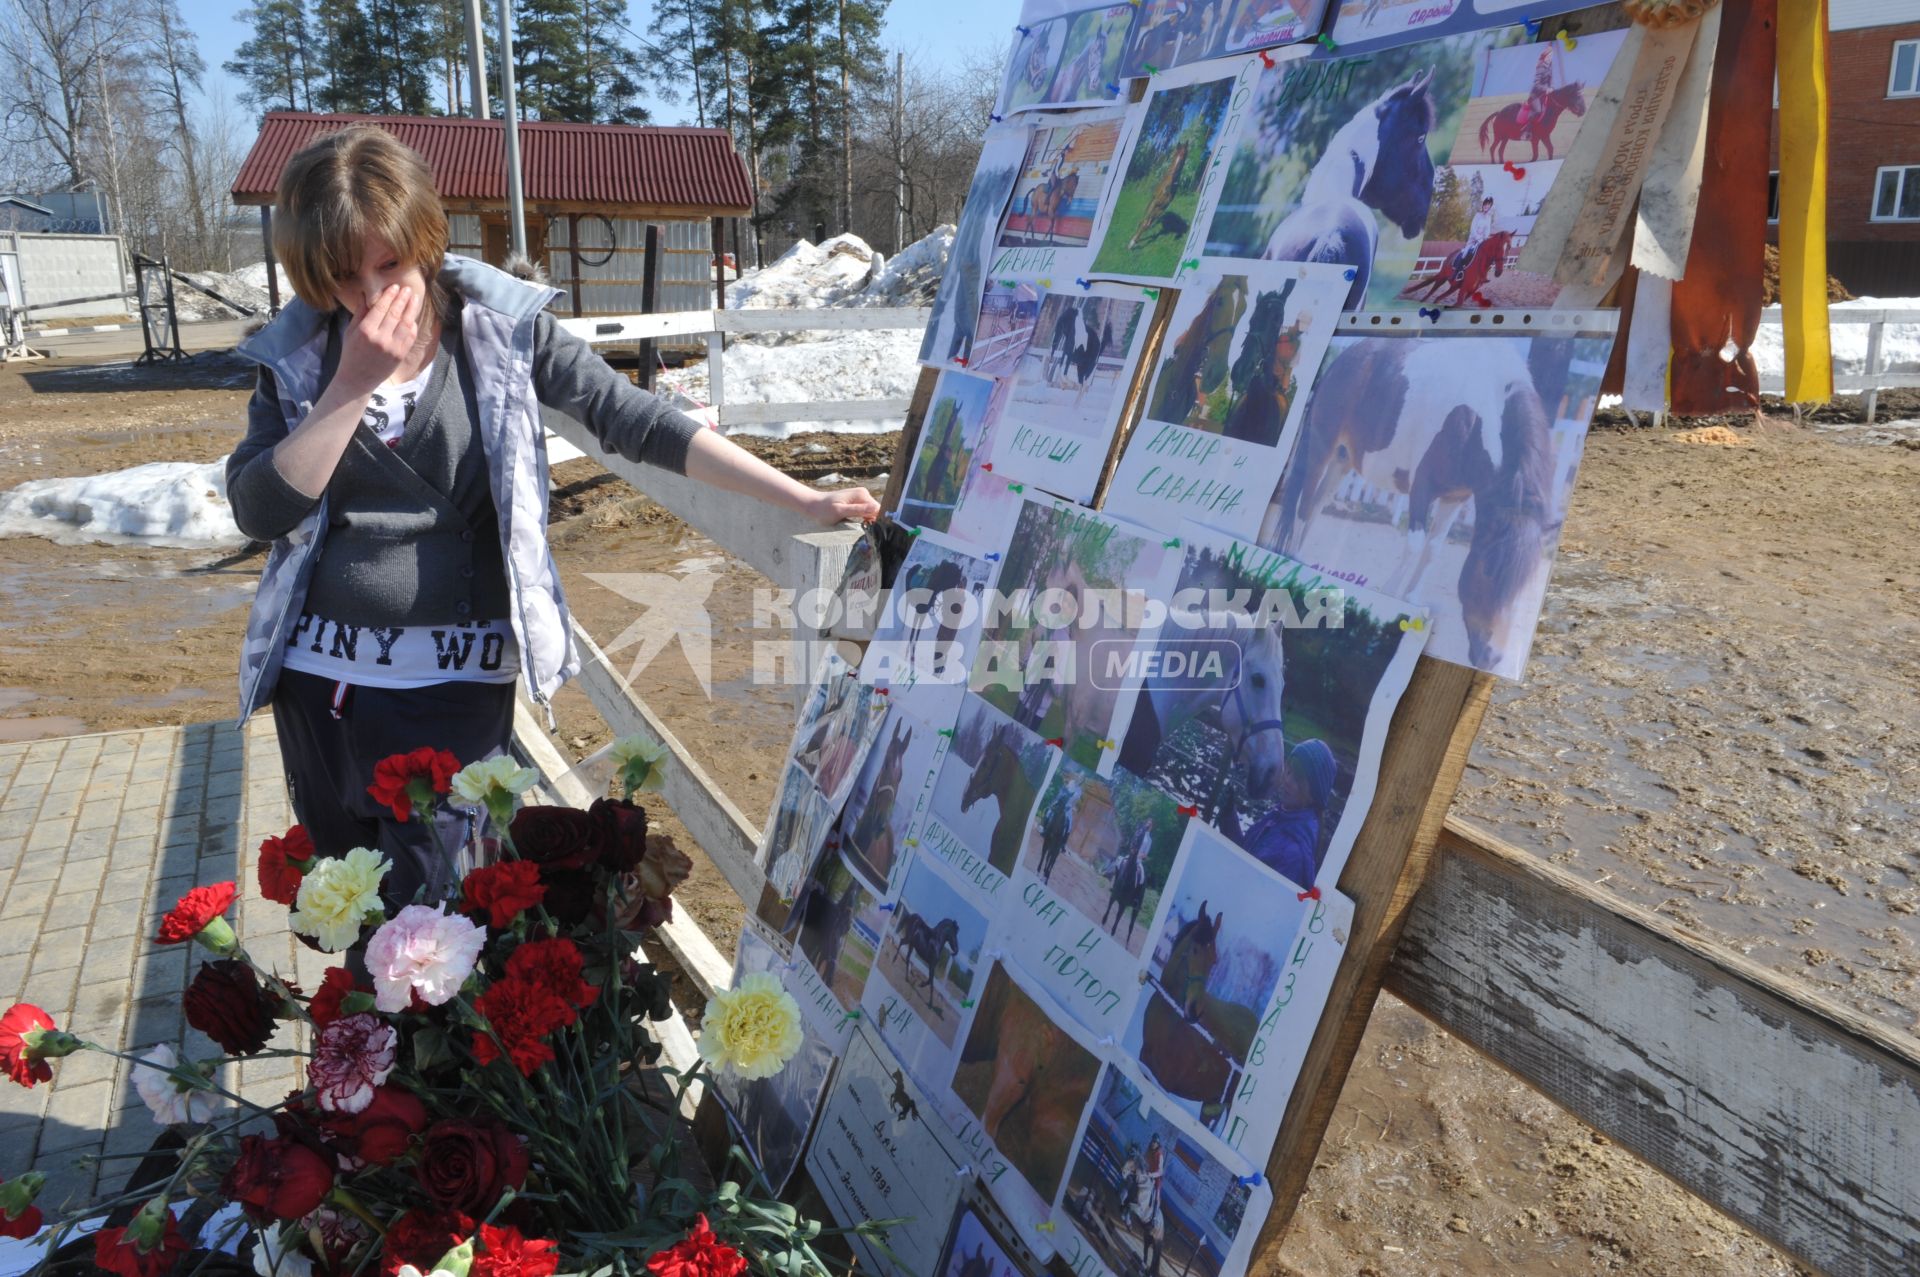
(1192, 263)
(1249, 1181)
(963, 1172)
(1024, 30)
(1108, 1041)
(1188, 811)
(1325, 41)
(890, 906)
(1058, 742)
(1113, 88)
(913, 532)
(1016, 487)
(1171, 543)
(987, 466)
(1148, 67)
(991, 556)
(1047, 1227)
(945, 731)
(997, 119)
(1045, 283)
(1083, 282)
(1266, 59)
(1533, 27)
(1007, 283)
(913, 842)
(1412, 623)
(851, 1015)
(1566, 40)
(790, 966)
(1311, 893)
(961, 360)
(1107, 744)
(1432, 315)
(1349, 274)
(883, 691)
(1514, 170)
(1152, 293)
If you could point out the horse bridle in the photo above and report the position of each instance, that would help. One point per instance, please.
(1225, 790)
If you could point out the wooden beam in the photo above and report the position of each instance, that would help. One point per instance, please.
(825, 318)
(1798, 1118)
(757, 414)
(909, 437)
(1426, 750)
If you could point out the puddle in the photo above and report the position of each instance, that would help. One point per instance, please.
(19, 729)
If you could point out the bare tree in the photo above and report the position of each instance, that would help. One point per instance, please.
(49, 75)
(175, 67)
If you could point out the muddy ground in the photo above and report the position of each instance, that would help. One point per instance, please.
(1718, 723)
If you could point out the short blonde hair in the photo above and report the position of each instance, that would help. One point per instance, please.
(347, 185)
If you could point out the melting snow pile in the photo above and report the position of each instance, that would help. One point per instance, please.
(1899, 343)
(823, 365)
(247, 286)
(178, 503)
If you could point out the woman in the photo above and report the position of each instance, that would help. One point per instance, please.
(394, 457)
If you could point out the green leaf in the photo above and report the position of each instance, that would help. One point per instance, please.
(431, 1048)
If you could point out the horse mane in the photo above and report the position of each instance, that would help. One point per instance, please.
(1354, 149)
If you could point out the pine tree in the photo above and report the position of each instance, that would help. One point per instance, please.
(824, 50)
(403, 53)
(343, 41)
(576, 61)
(272, 66)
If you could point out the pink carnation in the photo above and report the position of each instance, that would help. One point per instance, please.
(423, 949)
(353, 1055)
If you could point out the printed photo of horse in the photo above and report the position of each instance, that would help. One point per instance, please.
(772, 1115)
(1336, 161)
(1235, 352)
(1151, 1201)
(956, 307)
(1058, 191)
(1214, 966)
(1172, 33)
(1154, 207)
(930, 952)
(836, 928)
(1262, 24)
(1436, 471)
(1031, 65)
(1105, 846)
(1529, 100)
(973, 1251)
(1009, 312)
(1037, 666)
(875, 824)
(837, 726)
(1027, 1080)
(988, 782)
(1269, 745)
(1482, 216)
(795, 833)
(1089, 68)
(956, 421)
(1075, 370)
(929, 625)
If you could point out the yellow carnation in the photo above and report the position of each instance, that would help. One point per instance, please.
(751, 1030)
(338, 896)
(638, 761)
(485, 782)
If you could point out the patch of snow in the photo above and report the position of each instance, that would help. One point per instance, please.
(877, 364)
(846, 271)
(1899, 343)
(176, 503)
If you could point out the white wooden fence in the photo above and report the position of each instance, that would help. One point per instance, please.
(1872, 379)
(1794, 1116)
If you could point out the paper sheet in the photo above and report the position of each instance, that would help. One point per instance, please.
(1649, 344)
(1670, 196)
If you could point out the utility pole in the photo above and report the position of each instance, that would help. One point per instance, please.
(516, 200)
(477, 58)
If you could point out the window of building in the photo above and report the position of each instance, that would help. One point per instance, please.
(1896, 194)
(1773, 196)
(1904, 81)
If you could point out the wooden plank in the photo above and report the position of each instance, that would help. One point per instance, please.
(1895, 315)
(760, 414)
(674, 323)
(702, 961)
(720, 828)
(1426, 750)
(787, 548)
(822, 318)
(1798, 1118)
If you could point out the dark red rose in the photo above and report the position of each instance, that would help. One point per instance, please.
(419, 1238)
(503, 891)
(571, 895)
(114, 1251)
(225, 1002)
(701, 1254)
(465, 1164)
(620, 833)
(190, 915)
(504, 1252)
(283, 864)
(381, 1132)
(278, 1179)
(554, 837)
(325, 1007)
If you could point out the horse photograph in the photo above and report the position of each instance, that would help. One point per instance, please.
(1036, 665)
(955, 424)
(1213, 967)
(930, 952)
(1089, 68)
(1336, 162)
(1454, 269)
(1009, 313)
(956, 307)
(875, 823)
(973, 1251)
(1027, 1080)
(836, 927)
(1262, 24)
(1031, 66)
(1151, 214)
(772, 1115)
(1150, 1201)
(928, 626)
(1172, 33)
(1529, 100)
(988, 782)
(1069, 388)
(795, 832)
(1440, 472)
(1105, 845)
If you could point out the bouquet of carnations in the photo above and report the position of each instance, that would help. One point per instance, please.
(471, 1104)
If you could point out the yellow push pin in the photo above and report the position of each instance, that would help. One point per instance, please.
(1566, 40)
(1107, 744)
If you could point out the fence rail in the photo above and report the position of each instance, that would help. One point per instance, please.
(1873, 378)
(1794, 1116)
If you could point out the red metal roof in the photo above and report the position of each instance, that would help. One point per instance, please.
(694, 169)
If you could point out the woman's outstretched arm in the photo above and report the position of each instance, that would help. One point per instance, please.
(715, 460)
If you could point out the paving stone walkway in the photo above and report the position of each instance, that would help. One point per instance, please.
(99, 835)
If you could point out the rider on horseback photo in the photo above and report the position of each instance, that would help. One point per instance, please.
(1287, 838)
(1484, 225)
(1542, 86)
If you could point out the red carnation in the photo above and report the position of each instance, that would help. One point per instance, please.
(409, 782)
(700, 1255)
(504, 1252)
(521, 1015)
(199, 909)
(27, 1223)
(419, 1238)
(335, 985)
(19, 1217)
(555, 966)
(22, 1060)
(283, 863)
(114, 1251)
(381, 1132)
(278, 1179)
(503, 890)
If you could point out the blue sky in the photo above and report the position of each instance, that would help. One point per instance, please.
(938, 32)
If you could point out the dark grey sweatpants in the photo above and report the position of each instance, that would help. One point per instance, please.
(330, 763)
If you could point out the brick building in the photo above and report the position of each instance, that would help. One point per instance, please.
(1873, 175)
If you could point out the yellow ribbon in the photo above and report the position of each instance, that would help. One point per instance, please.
(1803, 199)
